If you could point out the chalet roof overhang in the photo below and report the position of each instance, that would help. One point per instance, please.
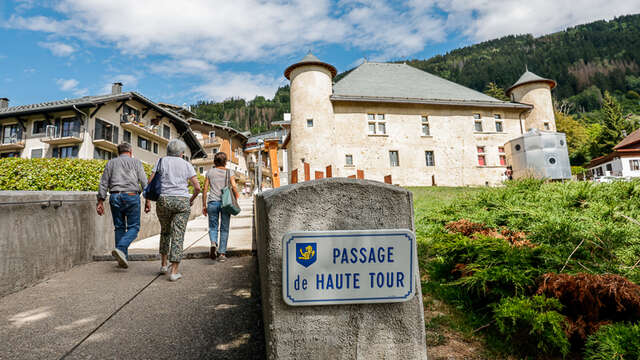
(621, 153)
(229, 129)
(461, 103)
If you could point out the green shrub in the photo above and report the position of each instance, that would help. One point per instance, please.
(533, 325)
(52, 174)
(616, 341)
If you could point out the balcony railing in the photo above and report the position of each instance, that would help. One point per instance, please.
(150, 131)
(129, 118)
(13, 142)
(105, 140)
(57, 136)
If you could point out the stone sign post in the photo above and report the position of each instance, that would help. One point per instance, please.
(352, 213)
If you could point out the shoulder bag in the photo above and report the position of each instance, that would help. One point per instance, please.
(154, 187)
(229, 201)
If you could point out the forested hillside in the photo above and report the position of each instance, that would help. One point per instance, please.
(586, 61)
(255, 115)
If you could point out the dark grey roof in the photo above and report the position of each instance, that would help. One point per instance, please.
(401, 83)
(60, 104)
(529, 77)
(310, 59)
(91, 101)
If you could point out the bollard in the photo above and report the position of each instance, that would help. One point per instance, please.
(307, 172)
(357, 331)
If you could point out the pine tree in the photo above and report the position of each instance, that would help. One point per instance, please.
(495, 91)
(615, 127)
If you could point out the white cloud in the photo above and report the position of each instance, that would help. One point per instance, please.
(220, 86)
(58, 48)
(71, 85)
(489, 19)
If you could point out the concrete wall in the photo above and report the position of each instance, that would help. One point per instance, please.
(361, 331)
(36, 242)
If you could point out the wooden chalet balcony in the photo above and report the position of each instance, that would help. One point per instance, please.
(12, 143)
(208, 142)
(265, 170)
(153, 133)
(64, 138)
(202, 161)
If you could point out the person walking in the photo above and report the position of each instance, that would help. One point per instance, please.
(124, 178)
(174, 204)
(217, 178)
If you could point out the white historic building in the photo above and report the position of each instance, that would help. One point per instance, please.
(393, 119)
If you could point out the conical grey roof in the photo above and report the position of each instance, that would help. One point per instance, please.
(310, 59)
(529, 77)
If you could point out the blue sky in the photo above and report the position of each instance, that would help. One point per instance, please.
(182, 51)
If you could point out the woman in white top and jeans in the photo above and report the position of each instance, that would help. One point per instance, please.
(174, 204)
(215, 181)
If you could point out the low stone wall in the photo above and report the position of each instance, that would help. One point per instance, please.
(44, 232)
(361, 331)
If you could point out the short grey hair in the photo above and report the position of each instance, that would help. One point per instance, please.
(176, 147)
(124, 148)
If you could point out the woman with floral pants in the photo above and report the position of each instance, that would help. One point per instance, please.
(174, 204)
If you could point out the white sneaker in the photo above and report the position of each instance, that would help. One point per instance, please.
(120, 258)
(175, 277)
(164, 269)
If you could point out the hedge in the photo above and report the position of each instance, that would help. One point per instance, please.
(52, 174)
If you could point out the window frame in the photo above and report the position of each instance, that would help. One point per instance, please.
(41, 155)
(501, 123)
(166, 131)
(475, 126)
(147, 141)
(348, 159)
(155, 147)
(124, 137)
(502, 156)
(378, 121)
(547, 126)
(44, 128)
(397, 154)
(433, 158)
(634, 165)
(424, 122)
(482, 155)
(309, 122)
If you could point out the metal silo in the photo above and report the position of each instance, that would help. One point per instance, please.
(539, 154)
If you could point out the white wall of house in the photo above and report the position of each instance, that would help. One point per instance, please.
(627, 166)
(86, 148)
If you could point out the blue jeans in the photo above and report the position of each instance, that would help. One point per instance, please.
(214, 210)
(125, 210)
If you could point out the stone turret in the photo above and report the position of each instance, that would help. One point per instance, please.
(534, 90)
(312, 121)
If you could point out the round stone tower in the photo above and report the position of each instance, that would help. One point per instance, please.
(534, 90)
(312, 121)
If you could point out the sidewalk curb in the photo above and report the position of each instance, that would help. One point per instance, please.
(186, 256)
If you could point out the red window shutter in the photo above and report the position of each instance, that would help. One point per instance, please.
(481, 161)
(503, 160)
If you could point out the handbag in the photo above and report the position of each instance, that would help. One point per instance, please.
(154, 187)
(229, 201)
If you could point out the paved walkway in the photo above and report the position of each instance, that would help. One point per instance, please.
(99, 311)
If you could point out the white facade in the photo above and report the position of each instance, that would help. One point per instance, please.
(628, 166)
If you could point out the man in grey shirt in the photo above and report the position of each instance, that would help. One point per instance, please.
(124, 178)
